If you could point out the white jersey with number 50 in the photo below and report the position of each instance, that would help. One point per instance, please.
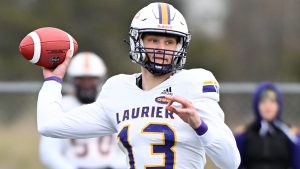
(151, 136)
(91, 153)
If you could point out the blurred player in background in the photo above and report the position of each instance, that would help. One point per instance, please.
(166, 117)
(87, 73)
(268, 142)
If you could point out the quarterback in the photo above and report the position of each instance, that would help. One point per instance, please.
(165, 117)
(86, 73)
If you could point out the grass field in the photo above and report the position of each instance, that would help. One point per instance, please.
(19, 145)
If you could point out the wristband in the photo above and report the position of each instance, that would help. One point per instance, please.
(55, 78)
(202, 129)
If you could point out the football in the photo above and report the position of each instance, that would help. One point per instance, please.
(47, 47)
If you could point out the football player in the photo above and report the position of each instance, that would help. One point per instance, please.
(164, 116)
(86, 73)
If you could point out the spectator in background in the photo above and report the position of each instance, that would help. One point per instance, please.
(268, 142)
(87, 73)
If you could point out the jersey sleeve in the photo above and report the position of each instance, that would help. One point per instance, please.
(83, 122)
(51, 154)
(218, 140)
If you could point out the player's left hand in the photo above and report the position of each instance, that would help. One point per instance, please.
(187, 112)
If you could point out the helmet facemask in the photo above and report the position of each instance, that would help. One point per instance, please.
(86, 88)
(86, 73)
(139, 54)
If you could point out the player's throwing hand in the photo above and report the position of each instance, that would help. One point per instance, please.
(61, 69)
(187, 112)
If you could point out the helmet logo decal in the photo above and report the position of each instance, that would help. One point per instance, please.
(164, 13)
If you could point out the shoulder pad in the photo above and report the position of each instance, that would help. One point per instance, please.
(203, 83)
(116, 80)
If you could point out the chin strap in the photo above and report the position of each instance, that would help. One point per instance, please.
(139, 82)
(158, 69)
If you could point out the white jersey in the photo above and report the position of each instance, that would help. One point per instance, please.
(150, 135)
(91, 153)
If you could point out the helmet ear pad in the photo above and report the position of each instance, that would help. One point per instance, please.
(137, 53)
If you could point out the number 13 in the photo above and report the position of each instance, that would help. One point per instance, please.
(166, 148)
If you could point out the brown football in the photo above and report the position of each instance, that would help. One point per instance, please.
(47, 47)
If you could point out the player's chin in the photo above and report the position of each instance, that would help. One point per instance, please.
(162, 62)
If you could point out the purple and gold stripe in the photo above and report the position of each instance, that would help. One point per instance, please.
(164, 13)
(210, 86)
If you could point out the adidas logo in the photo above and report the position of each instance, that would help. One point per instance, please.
(167, 91)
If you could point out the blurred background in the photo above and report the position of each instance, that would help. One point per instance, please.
(241, 42)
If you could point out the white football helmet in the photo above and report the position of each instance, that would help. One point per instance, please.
(160, 18)
(87, 64)
(86, 73)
